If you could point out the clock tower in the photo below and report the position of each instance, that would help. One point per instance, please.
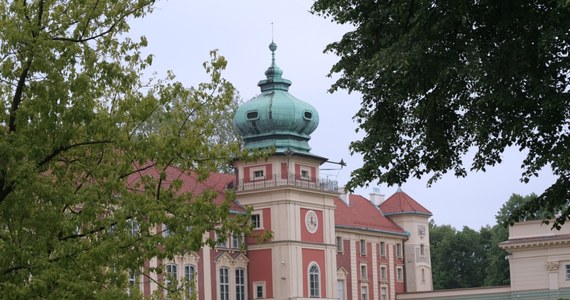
(287, 196)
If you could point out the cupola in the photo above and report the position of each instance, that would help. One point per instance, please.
(275, 118)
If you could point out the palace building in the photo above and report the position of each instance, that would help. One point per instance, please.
(326, 244)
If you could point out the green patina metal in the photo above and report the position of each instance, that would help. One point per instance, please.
(275, 118)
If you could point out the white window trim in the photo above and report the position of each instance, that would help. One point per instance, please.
(382, 249)
(400, 278)
(399, 254)
(363, 251)
(319, 273)
(262, 285)
(362, 288)
(260, 214)
(339, 246)
(245, 296)
(305, 169)
(253, 170)
(363, 276)
(383, 277)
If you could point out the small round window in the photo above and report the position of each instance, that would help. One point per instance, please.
(252, 115)
(308, 115)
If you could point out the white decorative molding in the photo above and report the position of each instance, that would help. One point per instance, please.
(552, 266)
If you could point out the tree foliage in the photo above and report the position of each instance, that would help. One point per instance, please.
(439, 78)
(73, 110)
(468, 258)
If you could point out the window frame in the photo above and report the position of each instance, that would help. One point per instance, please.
(568, 272)
(224, 283)
(339, 244)
(314, 280)
(400, 274)
(399, 250)
(341, 294)
(363, 271)
(362, 247)
(383, 273)
(364, 292)
(240, 286)
(259, 216)
(170, 278)
(189, 277)
(383, 293)
(382, 249)
(256, 286)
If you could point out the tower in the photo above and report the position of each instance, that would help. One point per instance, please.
(414, 219)
(286, 194)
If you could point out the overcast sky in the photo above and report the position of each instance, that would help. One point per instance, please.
(181, 33)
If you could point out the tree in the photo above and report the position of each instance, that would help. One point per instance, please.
(439, 78)
(457, 257)
(72, 109)
(496, 271)
(514, 204)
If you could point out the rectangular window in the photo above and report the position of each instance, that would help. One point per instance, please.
(383, 273)
(304, 174)
(222, 242)
(240, 284)
(171, 278)
(134, 227)
(165, 230)
(256, 221)
(258, 174)
(364, 293)
(422, 250)
(362, 247)
(399, 250)
(340, 289)
(363, 272)
(383, 293)
(132, 282)
(224, 284)
(189, 271)
(237, 241)
(383, 249)
(567, 272)
(339, 244)
(400, 274)
(259, 290)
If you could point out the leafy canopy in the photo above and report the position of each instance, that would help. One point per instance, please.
(439, 78)
(75, 125)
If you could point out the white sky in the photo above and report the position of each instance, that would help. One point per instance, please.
(181, 33)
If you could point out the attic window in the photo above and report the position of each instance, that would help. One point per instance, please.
(308, 115)
(252, 115)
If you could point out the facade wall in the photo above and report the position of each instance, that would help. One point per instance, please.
(380, 267)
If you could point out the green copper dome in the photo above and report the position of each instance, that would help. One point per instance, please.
(276, 118)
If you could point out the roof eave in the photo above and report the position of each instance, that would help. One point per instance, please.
(404, 234)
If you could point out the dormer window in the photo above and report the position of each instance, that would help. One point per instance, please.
(304, 174)
(252, 115)
(308, 115)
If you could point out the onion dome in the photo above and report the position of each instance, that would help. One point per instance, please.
(275, 118)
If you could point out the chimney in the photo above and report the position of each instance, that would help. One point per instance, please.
(343, 195)
(375, 197)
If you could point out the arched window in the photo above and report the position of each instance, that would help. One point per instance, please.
(171, 278)
(314, 280)
(240, 284)
(189, 272)
(224, 284)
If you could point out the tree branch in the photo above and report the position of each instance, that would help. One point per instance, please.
(59, 150)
